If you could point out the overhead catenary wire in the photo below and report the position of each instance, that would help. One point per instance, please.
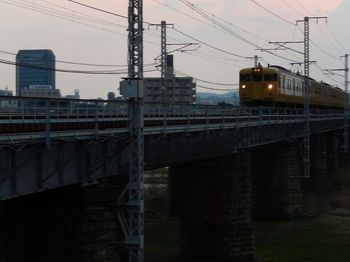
(104, 11)
(326, 75)
(217, 89)
(78, 63)
(206, 81)
(64, 16)
(322, 31)
(98, 9)
(289, 22)
(68, 62)
(111, 72)
(208, 45)
(272, 13)
(211, 18)
(211, 58)
(291, 7)
(211, 25)
(303, 7)
(71, 16)
(336, 38)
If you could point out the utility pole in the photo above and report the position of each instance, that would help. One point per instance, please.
(346, 86)
(163, 56)
(255, 58)
(307, 92)
(132, 89)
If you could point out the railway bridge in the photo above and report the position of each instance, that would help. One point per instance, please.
(64, 165)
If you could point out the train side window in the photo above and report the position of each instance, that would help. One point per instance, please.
(283, 84)
(244, 77)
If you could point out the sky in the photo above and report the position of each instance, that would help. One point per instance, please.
(223, 33)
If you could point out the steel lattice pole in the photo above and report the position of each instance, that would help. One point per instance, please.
(307, 92)
(346, 132)
(306, 98)
(163, 60)
(135, 187)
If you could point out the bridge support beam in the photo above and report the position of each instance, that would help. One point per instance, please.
(277, 192)
(215, 210)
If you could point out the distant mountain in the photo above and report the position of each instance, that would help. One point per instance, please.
(231, 97)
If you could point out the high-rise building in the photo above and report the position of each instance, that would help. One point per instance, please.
(34, 68)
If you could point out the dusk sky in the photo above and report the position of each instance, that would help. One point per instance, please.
(228, 31)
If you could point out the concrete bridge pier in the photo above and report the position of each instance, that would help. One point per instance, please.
(65, 225)
(332, 150)
(215, 209)
(317, 183)
(277, 178)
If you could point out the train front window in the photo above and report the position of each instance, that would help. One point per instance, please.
(257, 77)
(270, 77)
(244, 77)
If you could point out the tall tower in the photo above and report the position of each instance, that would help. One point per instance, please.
(35, 67)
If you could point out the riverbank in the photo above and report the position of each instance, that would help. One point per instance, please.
(323, 235)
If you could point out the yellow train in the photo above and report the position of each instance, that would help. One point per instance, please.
(277, 85)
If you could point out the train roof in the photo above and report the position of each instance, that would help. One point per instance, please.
(265, 69)
(280, 68)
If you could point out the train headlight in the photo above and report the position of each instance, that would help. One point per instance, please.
(243, 86)
(270, 86)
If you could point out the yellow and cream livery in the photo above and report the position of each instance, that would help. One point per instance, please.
(277, 85)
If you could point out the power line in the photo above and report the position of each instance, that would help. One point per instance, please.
(111, 72)
(67, 13)
(208, 45)
(206, 81)
(208, 24)
(209, 17)
(326, 75)
(291, 7)
(212, 58)
(303, 7)
(98, 9)
(320, 48)
(216, 89)
(64, 16)
(336, 39)
(183, 13)
(334, 36)
(103, 11)
(317, 46)
(77, 63)
(272, 13)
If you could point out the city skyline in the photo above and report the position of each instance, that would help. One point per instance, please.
(103, 41)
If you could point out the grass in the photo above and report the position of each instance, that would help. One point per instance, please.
(321, 239)
(162, 240)
(161, 232)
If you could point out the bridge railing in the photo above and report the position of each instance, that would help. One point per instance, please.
(36, 108)
(94, 114)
